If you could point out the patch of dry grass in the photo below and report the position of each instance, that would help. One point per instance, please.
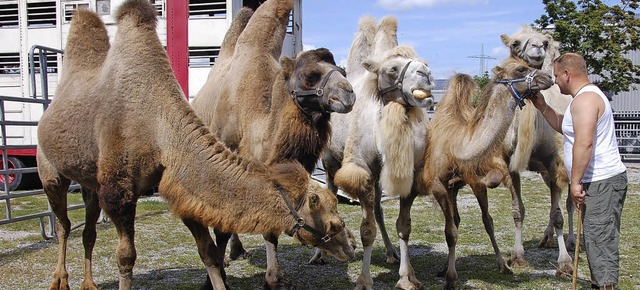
(167, 257)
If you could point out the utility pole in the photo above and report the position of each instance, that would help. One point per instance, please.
(483, 60)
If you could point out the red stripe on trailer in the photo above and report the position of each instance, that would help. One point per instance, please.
(178, 41)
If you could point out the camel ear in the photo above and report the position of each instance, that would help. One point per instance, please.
(505, 39)
(325, 55)
(287, 65)
(498, 71)
(314, 200)
(371, 65)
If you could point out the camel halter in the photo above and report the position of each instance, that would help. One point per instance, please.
(319, 91)
(529, 93)
(397, 85)
(300, 223)
(524, 48)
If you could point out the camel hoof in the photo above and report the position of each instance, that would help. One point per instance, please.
(406, 284)
(88, 286)
(504, 269)
(239, 254)
(547, 242)
(279, 285)
(317, 261)
(59, 284)
(451, 285)
(565, 270)
(364, 283)
(393, 260)
(517, 262)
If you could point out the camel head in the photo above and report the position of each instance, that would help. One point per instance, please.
(530, 45)
(322, 208)
(402, 77)
(522, 80)
(316, 84)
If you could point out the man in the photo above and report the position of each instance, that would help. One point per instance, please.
(598, 178)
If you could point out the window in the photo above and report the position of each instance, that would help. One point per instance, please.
(207, 8)
(8, 14)
(159, 4)
(290, 24)
(9, 63)
(71, 7)
(203, 56)
(41, 13)
(52, 63)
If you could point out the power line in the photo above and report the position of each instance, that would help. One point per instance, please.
(483, 60)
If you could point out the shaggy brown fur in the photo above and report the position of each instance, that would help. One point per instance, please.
(139, 132)
(247, 101)
(468, 156)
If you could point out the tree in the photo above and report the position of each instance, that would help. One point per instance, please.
(602, 34)
(481, 82)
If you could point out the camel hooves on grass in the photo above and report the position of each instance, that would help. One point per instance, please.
(393, 258)
(517, 262)
(406, 283)
(239, 255)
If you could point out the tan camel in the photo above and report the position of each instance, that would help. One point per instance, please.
(532, 144)
(139, 132)
(289, 118)
(466, 157)
(379, 144)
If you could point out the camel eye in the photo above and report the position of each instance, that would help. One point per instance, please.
(545, 44)
(522, 69)
(312, 78)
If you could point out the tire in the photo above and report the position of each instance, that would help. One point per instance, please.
(14, 179)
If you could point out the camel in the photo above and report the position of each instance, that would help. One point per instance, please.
(532, 144)
(468, 157)
(288, 119)
(378, 144)
(139, 132)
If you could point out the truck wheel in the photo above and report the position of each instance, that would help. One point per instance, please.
(13, 180)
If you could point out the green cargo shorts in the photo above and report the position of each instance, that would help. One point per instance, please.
(601, 227)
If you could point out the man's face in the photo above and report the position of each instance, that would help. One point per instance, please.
(562, 78)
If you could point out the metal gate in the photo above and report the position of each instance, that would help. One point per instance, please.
(46, 216)
(627, 124)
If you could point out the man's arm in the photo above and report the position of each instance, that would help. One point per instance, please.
(553, 118)
(586, 110)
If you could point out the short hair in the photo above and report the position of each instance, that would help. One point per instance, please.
(571, 61)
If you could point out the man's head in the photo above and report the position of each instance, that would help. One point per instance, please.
(570, 70)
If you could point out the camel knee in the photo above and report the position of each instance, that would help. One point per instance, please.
(367, 233)
(403, 227)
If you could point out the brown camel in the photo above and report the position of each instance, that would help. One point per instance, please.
(379, 145)
(288, 119)
(532, 144)
(466, 157)
(139, 132)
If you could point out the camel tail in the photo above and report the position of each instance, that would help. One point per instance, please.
(524, 145)
(88, 41)
(140, 12)
(237, 26)
(362, 43)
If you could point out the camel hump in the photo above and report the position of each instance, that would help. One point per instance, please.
(237, 26)
(389, 24)
(367, 26)
(88, 41)
(140, 12)
(284, 8)
(461, 88)
(386, 35)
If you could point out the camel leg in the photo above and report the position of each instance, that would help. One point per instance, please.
(367, 236)
(392, 255)
(556, 223)
(122, 214)
(408, 280)
(55, 186)
(331, 165)
(449, 204)
(236, 248)
(208, 252)
(512, 182)
(274, 276)
(92, 213)
(480, 191)
(221, 245)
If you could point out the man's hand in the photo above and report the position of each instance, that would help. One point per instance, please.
(578, 194)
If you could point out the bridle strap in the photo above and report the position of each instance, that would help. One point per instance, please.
(300, 223)
(397, 85)
(318, 91)
(524, 48)
(520, 98)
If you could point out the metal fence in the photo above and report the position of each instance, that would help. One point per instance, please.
(46, 217)
(627, 124)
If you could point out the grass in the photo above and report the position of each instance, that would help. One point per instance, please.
(167, 256)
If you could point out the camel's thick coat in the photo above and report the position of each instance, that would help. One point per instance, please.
(120, 125)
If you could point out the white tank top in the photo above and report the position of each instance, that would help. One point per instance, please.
(605, 158)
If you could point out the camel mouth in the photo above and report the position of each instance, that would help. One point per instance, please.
(422, 98)
(338, 105)
(421, 94)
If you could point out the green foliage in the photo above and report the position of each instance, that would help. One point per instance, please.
(481, 82)
(603, 34)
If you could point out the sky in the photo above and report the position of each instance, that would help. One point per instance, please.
(445, 33)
